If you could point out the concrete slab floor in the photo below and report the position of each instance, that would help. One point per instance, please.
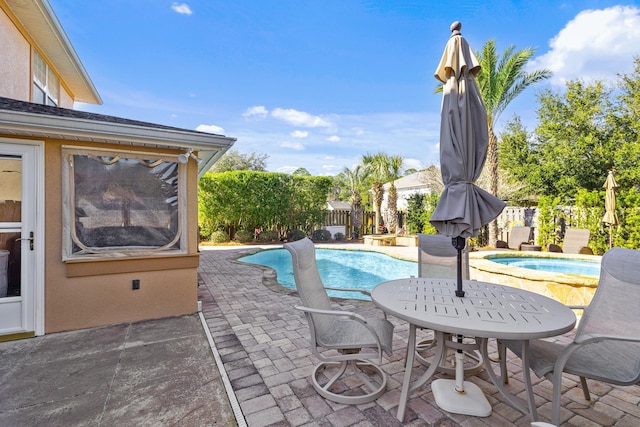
(152, 373)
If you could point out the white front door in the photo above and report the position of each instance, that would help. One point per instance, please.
(19, 267)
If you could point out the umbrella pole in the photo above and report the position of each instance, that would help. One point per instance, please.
(459, 243)
(610, 236)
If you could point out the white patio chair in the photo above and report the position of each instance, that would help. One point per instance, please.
(438, 258)
(345, 333)
(606, 345)
(517, 237)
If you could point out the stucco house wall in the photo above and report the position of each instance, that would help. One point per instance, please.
(15, 66)
(59, 289)
(82, 294)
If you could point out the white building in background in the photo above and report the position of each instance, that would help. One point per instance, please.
(416, 183)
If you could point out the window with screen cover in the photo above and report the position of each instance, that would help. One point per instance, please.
(122, 203)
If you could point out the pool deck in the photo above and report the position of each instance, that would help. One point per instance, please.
(156, 373)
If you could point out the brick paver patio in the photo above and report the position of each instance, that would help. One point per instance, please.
(263, 343)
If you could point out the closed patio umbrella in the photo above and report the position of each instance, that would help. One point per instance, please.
(463, 207)
(610, 216)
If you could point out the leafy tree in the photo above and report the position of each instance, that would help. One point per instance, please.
(573, 147)
(301, 172)
(420, 207)
(501, 80)
(379, 164)
(626, 127)
(516, 160)
(395, 164)
(233, 160)
(307, 204)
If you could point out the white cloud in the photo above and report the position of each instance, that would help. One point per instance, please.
(299, 118)
(256, 111)
(596, 44)
(287, 169)
(299, 134)
(334, 138)
(210, 129)
(293, 145)
(409, 163)
(182, 9)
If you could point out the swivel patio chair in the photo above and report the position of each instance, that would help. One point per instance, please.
(438, 258)
(517, 237)
(576, 241)
(342, 335)
(606, 345)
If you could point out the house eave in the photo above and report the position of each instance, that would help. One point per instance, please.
(209, 146)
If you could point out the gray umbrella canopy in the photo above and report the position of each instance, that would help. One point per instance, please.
(463, 207)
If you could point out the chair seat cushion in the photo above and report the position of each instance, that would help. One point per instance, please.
(350, 334)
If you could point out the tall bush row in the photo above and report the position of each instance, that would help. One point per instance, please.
(250, 200)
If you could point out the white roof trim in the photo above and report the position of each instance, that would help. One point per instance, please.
(210, 147)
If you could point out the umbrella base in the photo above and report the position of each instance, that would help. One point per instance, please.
(470, 402)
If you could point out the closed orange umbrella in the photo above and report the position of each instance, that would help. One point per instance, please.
(610, 216)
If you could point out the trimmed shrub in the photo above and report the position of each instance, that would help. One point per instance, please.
(243, 236)
(269, 236)
(338, 236)
(321, 235)
(219, 237)
(294, 235)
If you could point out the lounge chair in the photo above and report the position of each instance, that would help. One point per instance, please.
(438, 258)
(606, 345)
(343, 331)
(576, 241)
(517, 237)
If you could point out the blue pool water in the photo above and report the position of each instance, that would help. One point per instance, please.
(552, 265)
(339, 268)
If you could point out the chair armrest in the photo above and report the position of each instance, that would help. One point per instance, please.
(351, 315)
(554, 248)
(501, 244)
(585, 250)
(593, 338)
(362, 291)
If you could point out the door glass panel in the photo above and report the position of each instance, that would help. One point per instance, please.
(10, 225)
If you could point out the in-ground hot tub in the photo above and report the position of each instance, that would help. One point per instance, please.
(571, 288)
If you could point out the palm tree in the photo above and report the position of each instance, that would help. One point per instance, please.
(354, 180)
(395, 163)
(379, 164)
(500, 81)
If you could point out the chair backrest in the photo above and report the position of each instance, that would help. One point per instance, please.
(574, 240)
(438, 258)
(307, 278)
(614, 310)
(518, 236)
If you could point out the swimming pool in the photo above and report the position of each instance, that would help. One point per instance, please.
(573, 287)
(552, 265)
(339, 268)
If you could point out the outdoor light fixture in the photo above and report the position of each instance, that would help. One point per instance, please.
(184, 158)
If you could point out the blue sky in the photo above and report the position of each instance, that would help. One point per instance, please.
(317, 84)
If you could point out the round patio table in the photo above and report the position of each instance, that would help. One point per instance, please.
(487, 310)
